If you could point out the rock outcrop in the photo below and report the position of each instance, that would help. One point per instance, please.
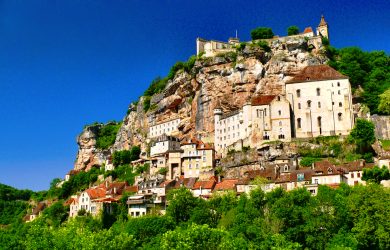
(225, 79)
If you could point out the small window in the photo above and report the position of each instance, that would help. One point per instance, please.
(352, 175)
(339, 92)
(280, 124)
(340, 116)
(308, 103)
(280, 112)
(340, 104)
(278, 98)
(299, 124)
(298, 93)
(265, 112)
(358, 175)
(318, 91)
(319, 121)
(338, 84)
(319, 104)
(299, 105)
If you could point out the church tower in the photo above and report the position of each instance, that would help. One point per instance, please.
(322, 28)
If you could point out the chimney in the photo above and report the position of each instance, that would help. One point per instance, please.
(361, 163)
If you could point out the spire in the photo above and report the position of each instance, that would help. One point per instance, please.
(322, 22)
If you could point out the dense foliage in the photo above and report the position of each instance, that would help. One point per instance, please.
(13, 203)
(370, 70)
(262, 33)
(126, 156)
(292, 30)
(376, 174)
(363, 135)
(107, 134)
(344, 218)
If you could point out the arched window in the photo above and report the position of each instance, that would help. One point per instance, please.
(319, 104)
(278, 98)
(308, 103)
(318, 91)
(280, 112)
(298, 93)
(338, 84)
(299, 105)
(340, 104)
(319, 121)
(299, 123)
(340, 116)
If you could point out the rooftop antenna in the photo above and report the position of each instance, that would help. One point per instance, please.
(236, 34)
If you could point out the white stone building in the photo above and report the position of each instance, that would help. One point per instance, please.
(321, 102)
(265, 117)
(167, 127)
(163, 144)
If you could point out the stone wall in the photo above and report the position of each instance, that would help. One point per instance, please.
(382, 126)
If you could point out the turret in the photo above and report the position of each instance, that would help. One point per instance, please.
(322, 28)
(217, 118)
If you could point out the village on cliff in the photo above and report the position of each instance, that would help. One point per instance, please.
(233, 127)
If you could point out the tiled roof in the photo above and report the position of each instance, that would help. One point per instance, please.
(262, 100)
(95, 193)
(167, 183)
(307, 30)
(325, 168)
(322, 22)
(38, 208)
(185, 182)
(204, 184)
(70, 201)
(316, 73)
(131, 189)
(227, 184)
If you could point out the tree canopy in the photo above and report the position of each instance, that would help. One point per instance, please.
(292, 30)
(262, 33)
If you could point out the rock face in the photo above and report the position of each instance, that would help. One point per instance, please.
(88, 155)
(225, 80)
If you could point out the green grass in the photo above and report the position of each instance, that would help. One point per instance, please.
(385, 144)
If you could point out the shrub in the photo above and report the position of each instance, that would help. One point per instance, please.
(292, 30)
(107, 134)
(308, 161)
(376, 174)
(126, 156)
(262, 33)
(264, 46)
(163, 171)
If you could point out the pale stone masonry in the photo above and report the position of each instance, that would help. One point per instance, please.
(265, 117)
(166, 127)
(321, 102)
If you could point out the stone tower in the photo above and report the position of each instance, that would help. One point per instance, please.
(322, 28)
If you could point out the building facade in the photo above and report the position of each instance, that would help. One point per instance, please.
(166, 127)
(321, 101)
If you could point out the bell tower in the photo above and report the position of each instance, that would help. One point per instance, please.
(322, 28)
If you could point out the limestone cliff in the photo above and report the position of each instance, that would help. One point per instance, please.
(227, 79)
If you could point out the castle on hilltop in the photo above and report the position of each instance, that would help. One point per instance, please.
(212, 47)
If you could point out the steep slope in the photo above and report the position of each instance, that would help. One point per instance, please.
(228, 79)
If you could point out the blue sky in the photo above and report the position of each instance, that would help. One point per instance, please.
(64, 64)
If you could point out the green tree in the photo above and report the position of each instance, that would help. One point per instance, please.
(363, 134)
(292, 30)
(262, 33)
(384, 103)
(376, 174)
(181, 203)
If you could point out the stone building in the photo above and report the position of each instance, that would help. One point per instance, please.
(321, 101)
(265, 117)
(166, 127)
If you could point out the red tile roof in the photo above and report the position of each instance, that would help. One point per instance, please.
(95, 193)
(307, 30)
(38, 208)
(204, 184)
(227, 184)
(316, 73)
(325, 168)
(262, 100)
(131, 189)
(70, 201)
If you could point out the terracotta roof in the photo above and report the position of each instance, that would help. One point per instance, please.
(131, 189)
(307, 30)
(204, 146)
(95, 193)
(317, 73)
(227, 184)
(116, 187)
(167, 183)
(262, 100)
(204, 184)
(70, 201)
(108, 199)
(325, 168)
(189, 141)
(185, 182)
(38, 208)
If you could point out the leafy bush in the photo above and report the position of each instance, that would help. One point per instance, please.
(308, 161)
(262, 33)
(163, 171)
(376, 174)
(107, 134)
(264, 45)
(363, 134)
(292, 30)
(126, 156)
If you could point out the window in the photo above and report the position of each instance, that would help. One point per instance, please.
(358, 175)
(319, 121)
(339, 92)
(340, 104)
(197, 165)
(340, 116)
(204, 158)
(258, 112)
(298, 93)
(280, 112)
(318, 91)
(280, 123)
(189, 166)
(278, 98)
(316, 181)
(265, 112)
(338, 84)
(308, 103)
(319, 104)
(299, 105)
(352, 175)
(299, 124)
